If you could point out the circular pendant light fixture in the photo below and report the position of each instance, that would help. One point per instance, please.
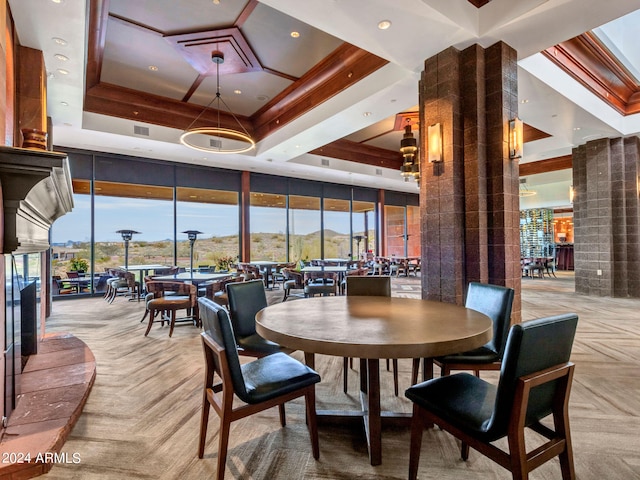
(217, 139)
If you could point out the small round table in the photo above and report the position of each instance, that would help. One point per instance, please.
(372, 328)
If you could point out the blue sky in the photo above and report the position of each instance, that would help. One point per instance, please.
(154, 218)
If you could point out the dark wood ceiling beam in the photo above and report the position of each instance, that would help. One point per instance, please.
(548, 165)
(478, 3)
(97, 32)
(116, 101)
(356, 152)
(244, 14)
(590, 63)
(341, 69)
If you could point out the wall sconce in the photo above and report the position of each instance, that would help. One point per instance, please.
(572, 194)
(515, 139)
(434, 143)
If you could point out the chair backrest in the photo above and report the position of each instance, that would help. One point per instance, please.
(218, 328)
(160, 287)
(320, 277)
(245, 300)
(374, 285)
(291, 274)
(495, 302)
(532, 346)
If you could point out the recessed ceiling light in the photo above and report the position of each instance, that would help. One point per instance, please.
(153, 68)
(384, 24)
(262, 98)
(366, 114)
(576, 129)
(62, 58)
(525, 100)
(295, 34)
(59, 41)
(216, 2)
(58, 1)
(62, 71)
(237, 91)
(64, 104)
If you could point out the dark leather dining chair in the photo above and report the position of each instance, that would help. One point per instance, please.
(535, 382)
(372, 285)
(495, 302)
(261, 384)
(245, 300)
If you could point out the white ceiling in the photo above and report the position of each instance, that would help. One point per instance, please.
(556, 104)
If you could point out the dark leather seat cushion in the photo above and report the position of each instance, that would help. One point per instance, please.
(480, 355)
(462, 399)
(275, 375)
(258, 344)
(320, 288)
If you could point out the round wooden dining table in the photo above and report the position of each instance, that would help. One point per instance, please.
(371, 328)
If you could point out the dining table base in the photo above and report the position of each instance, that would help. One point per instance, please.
(371, 416)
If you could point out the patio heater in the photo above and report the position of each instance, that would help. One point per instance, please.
(126, 236)
(358, 238)
(192, 235)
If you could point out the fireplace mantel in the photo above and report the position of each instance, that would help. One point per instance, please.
(36, 190)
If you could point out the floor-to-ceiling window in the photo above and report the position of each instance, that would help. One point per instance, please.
(337, 228)
(215, 214)
(268, 218)
(289, 219)
(145, 209)
(364, 238)
(304, 228)
(71, 244)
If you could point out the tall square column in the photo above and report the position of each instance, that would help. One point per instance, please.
(469, 202)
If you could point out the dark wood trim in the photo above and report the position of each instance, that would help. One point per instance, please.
(562, 210)
(244, 14)
(360, 153)
(529, 133)
(97, 32)
(543, 166)
(342, 68)
(478, 3)
(139, 26)
(590, 63)
(194, 86)
(131, 104)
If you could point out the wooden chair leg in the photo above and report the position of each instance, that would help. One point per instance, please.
(283, 416)
(312, 424)
(416, 442)
(464, 451)
(223, 443)
(204, 421)
(173, 322)
(151, 318)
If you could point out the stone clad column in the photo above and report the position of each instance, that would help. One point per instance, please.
(606, 215)
(469, 202)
